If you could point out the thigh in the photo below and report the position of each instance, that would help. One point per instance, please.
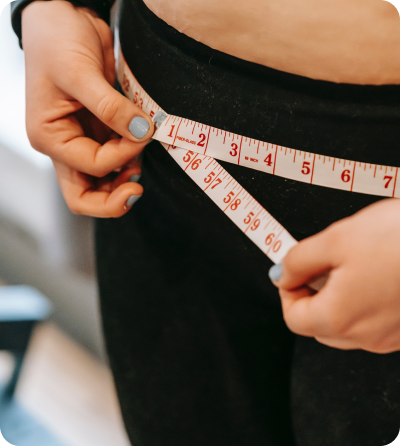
(347, 398)
(194, 329)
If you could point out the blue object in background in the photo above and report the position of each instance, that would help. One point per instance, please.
(20, 429)
(21, 308)
(23, 303)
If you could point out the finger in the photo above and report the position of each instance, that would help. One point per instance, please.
(298, 311)
(115, 179)
(83, 197)
(64, 141)
(93, 128)
(308, 259)
(110, 182)
(308, 313)
(92, 90)
(131, 175)
(304, 316)
(88, 156)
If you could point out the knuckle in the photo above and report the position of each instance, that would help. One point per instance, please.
(98, 170)
(99, 167)
(107, 109)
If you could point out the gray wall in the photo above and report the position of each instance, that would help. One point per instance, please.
(59, 263)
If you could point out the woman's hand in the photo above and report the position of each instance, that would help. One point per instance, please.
(73, 113)
(359, 307)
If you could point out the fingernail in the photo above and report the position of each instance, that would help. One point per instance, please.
(134, 178)
(275, 272)
(159, 117)
(132, 200)
(139, 127)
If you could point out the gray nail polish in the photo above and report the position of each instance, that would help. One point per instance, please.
(275, 273)
(134, 178)
(139, 127)
(159, 118)
(132, 200)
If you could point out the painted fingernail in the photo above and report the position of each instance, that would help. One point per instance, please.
(275, 273)
(132, 200)
(134, 178)
(139, 127)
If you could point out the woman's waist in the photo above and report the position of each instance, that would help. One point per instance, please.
(189, 79)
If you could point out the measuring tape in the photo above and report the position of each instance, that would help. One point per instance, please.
(257, 223)
(194, 146)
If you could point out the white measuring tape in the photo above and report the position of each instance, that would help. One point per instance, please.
(194, 147)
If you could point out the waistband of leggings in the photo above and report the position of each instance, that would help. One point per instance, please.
(363, 94)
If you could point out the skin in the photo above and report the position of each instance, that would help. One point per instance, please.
(352, 41)
(75, 117)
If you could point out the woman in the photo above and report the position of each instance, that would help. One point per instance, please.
(198, 346)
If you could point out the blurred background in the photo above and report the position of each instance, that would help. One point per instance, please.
(50, 327)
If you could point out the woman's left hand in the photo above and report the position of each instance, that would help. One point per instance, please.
(359, 306)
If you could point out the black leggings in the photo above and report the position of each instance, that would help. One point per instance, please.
(197, 343)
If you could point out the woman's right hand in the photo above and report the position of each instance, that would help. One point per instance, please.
(73, 113)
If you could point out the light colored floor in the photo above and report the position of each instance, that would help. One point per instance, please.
(68, 390)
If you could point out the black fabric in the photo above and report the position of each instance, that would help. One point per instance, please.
(101, 7)
(194, 330)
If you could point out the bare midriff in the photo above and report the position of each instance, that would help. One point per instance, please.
(351, 41)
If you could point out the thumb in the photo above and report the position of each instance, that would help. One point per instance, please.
(92, 90)
(305, 261)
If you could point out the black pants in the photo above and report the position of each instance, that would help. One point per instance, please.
(197, 343)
